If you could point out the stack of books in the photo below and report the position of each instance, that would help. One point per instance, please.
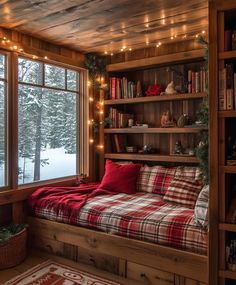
(119, 119)
(227, 88)
(121, 88)
(197, 81)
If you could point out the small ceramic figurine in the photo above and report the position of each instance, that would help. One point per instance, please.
(170, 89)
(165, 118)
(178, 147)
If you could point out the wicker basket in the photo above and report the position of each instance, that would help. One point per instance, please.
(13, 251)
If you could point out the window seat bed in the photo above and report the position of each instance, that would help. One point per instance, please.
(142, 216)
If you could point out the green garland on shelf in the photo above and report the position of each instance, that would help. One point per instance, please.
(202, 150)
(96, 66)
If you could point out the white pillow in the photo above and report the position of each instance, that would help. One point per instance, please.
(201, 207)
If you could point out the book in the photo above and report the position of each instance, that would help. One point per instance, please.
(222, 89)
(229, 99)
(189, 81)
(234, 91)
(193, 82)
(117, 143)
(197, 82)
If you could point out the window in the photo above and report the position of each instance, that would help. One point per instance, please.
(3, 120)
(48, 107)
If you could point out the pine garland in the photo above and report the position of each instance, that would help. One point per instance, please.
(202, 150)
(96, 66)
(6, 232)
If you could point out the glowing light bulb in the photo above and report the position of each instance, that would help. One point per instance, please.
(91, 140)
(15, 47)
(45, 57)
(91, 99)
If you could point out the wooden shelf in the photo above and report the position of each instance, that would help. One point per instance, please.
(227, 114)
(227, 274)
(228, 169)
(149, 99)
(154, 130)
(227, 54)
(149, 62)
(227, 227)
(152, 157)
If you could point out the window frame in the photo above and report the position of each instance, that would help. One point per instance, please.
(82, 107)
(6, 81)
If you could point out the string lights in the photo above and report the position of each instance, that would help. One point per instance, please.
(99, 109)
(174, 37)
(10, 45)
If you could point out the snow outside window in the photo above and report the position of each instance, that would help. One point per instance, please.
(3, 121)
(47, 121)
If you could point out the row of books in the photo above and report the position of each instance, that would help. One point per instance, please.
(119, 119)
(121, 88)
(197, 81)
(230, 40)
(227, 88)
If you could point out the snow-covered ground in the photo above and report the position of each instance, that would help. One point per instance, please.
(60, 165)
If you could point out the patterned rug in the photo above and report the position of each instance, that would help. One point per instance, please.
(52, 273)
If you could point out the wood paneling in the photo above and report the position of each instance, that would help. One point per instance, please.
(103, 24)
(41, 48)
(148, 275)
(160, 257)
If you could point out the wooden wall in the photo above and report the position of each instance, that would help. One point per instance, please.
(164, 49)
(41, 48)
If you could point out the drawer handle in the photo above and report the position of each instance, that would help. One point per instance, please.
(145, 278)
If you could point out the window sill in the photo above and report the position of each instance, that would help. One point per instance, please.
(22, 192)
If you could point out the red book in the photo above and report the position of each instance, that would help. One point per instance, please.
(113, 88)
(193, 82)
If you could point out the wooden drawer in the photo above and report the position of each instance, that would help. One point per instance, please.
(149, 275)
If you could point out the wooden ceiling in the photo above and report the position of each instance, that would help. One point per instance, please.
(106, 25)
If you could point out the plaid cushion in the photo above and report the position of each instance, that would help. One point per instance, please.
(183, 191)
(142, 216)
(188, 172)
(163, 179)
(155, 179)
(201, 207)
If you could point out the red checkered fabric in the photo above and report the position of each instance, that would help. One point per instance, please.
(155, 179)
(188, 172)
(183, 191)
(142, 216)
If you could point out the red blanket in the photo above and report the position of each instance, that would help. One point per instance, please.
(68, 204)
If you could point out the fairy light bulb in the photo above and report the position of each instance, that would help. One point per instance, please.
(90, 99)
(91, 140)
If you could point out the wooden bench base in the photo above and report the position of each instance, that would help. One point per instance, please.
(123, 256)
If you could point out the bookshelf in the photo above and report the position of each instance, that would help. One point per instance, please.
(222, 235)
(148, 110)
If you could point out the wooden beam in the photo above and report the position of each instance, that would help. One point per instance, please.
(184, 263)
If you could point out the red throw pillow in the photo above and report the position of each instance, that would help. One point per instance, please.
(120, 178)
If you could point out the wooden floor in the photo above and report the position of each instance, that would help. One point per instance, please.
(36, 257)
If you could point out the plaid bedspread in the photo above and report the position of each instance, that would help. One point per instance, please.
(142, 216)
